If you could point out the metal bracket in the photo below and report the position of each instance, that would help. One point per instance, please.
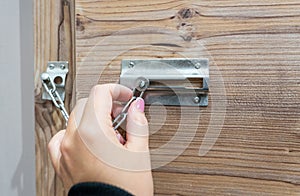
(175, 82)
(57, 71)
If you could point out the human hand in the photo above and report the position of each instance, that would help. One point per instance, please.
(89, 150)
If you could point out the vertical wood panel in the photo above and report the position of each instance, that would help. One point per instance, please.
(53, 39)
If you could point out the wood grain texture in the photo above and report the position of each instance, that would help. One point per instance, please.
(53, 41)
(254, 53)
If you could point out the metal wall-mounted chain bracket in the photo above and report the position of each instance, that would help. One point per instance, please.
(54, 81)
(57, 71)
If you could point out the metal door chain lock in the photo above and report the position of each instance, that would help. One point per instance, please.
(52, 93)
(173, 82)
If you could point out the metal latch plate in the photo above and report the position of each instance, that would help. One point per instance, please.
(174, 82)
(57, 71)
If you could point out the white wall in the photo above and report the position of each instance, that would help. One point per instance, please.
(17, 153)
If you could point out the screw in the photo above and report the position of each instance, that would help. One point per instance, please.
(131, 64)
(142, 84)
(51, 66)
(62, 66)
(197, 65)
(197, 99)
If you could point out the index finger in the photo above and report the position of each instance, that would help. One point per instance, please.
(96, 118)
(99, 106)
(104, 96)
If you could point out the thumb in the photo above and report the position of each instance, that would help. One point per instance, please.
(54, 149)
(137, 130)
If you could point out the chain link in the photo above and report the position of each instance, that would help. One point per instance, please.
(55, 97)
(137, 92)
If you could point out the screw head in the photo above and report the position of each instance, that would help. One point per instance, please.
(142, 84)
(51, 66)
(196, 99)
(131, 64)
(62, 66)
(197, 65)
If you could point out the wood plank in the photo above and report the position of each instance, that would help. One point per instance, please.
(254, 53)
(191, 184)
(53, 41)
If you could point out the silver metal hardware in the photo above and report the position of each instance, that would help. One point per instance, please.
(176, 82)
(57, 71)
(139, 91)
(131, 65)
(196, 99)
(197, 65)
(53, 81)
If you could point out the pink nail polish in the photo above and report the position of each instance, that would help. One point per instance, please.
(140, 104)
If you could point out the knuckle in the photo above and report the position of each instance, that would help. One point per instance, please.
(97, 88)
(101, 87)
(65, 146)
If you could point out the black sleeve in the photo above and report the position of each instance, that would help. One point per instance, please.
(95, 188)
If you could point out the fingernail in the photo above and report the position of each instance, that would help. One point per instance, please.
(140, 104)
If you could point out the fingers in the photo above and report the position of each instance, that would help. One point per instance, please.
(137, 127)
(54, 149)
(103, 102)
(117, 109)
(104, 95)
(98, 109)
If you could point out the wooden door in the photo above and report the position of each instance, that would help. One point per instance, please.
(53, 39)
(246, 142)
